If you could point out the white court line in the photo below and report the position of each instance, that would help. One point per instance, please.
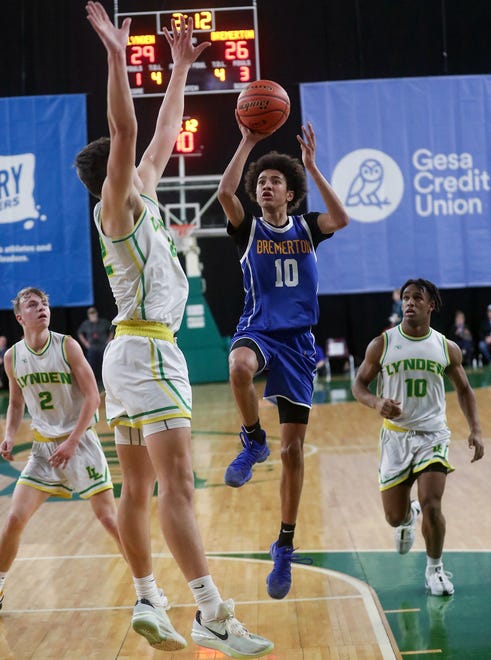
(308, 450)
(361, 587)
(224, 554)
(176, 606)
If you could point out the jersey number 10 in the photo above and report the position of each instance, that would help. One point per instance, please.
(286, 272)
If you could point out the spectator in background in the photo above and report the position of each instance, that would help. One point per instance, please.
(3, 350)
(323, 370)
(396, 310)
(94, 334)
(462, 336)
(485, 337)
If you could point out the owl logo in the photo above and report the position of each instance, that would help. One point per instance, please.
(362, 178)
(366, 184)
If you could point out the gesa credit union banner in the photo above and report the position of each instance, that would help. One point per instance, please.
(410, 160)
(44, 210)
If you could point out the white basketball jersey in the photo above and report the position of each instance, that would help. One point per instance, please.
(412, 373)
(51, 393)
(146, 278)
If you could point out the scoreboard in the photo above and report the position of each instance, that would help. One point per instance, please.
(227, 66)
(189, 142)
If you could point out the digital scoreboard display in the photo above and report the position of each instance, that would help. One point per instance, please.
(189, 142)
(228, 65)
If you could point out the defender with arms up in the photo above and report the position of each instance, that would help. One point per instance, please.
(148, 395)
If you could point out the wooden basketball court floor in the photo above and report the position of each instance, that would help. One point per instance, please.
(69, 594)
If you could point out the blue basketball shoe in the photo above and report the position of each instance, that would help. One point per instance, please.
(240, 469)
(279, 580)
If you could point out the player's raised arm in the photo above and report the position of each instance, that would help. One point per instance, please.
(121, 203)
(336, 217)
(169, 119)
(232, 175)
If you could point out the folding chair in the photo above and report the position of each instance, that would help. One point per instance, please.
(337, 349)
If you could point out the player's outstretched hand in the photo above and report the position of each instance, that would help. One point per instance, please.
(307, 144)
(114, 39)
(181, 41)
(251, 136)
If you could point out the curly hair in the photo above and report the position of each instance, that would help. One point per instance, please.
(290, 167)
(429, 287)
(91, 164)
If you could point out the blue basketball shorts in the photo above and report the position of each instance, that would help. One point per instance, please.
(289, 363)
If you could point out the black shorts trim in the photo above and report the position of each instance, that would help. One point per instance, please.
(249, 343)
(433, 467)
(292, 413)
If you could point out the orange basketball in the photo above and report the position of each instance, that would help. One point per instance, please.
(263, 106)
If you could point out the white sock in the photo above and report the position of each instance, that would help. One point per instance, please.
(432, 564)
(206, 595)
(410, 520)
(3, 577)
(146, 587)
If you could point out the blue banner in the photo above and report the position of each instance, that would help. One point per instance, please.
(44, 210)
(410, 159)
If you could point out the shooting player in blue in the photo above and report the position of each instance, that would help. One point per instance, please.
(279, 265)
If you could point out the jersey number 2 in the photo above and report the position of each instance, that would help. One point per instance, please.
(46, 401)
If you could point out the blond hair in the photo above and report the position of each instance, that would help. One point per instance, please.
(25, 293)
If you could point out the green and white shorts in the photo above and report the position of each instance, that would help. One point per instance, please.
(86, 473)
(147, 384)
(403, 453)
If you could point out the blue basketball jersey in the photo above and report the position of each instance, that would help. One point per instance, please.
(279, 267)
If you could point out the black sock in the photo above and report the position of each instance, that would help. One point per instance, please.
(286, 534)
(255, 433)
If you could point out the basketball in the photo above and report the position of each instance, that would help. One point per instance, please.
(263, 106)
